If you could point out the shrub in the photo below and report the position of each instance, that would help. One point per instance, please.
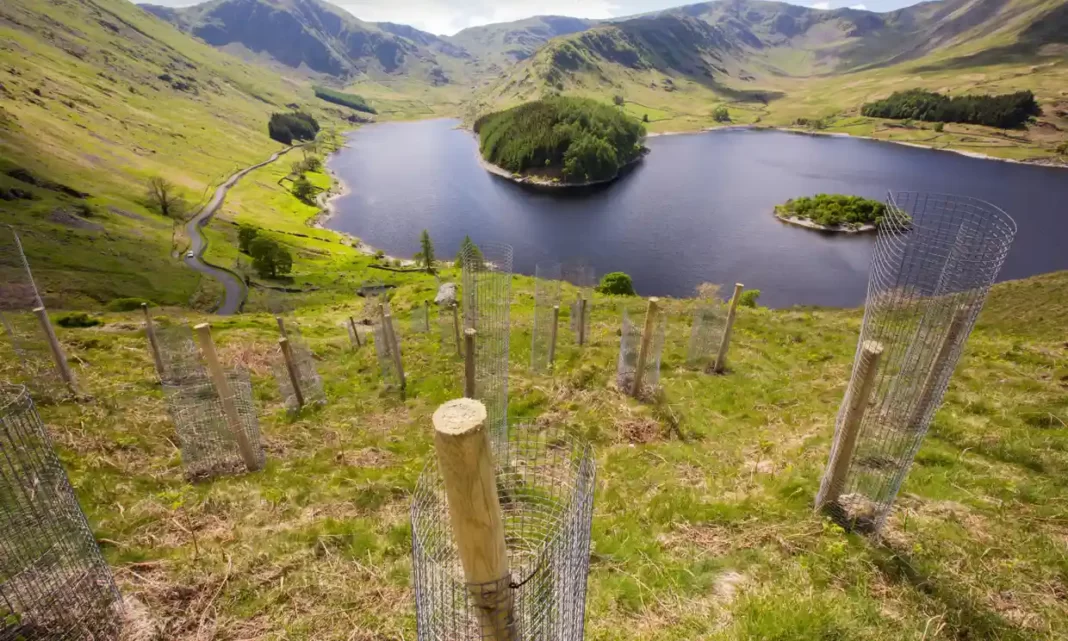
(939, 126)
(379, 254)
(721, 114)
(285, 128)
(77, 319)
(1062, 149)
(126, 304)
(304, 190)
(350, 100)
(749, 298)
(617, 284)
(1005, 111)
(584, 139)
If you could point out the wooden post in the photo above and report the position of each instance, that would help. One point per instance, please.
(469, 362)
(150, 332)
(582, 322)
(226, 395)
(552, 334)
(62, 366)
(292, 370)
(354, 334)
(456, 327)
(725, 343)
(957, 326)
(426, 315)
(643, 351)
(394, 349)
(281, 326)
(856, 405)
(465, 459)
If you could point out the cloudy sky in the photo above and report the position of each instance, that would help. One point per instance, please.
(449, 16)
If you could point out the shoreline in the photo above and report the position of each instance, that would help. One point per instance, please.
(808, 224)
(535, 181)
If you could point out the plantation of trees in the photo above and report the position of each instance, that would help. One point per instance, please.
(350, 100)
(285, 128)
(581, 139)
(1006, 111)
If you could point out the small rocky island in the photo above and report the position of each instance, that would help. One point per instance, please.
(833, 212)
(560, 142)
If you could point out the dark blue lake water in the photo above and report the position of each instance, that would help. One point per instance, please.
(698, 209)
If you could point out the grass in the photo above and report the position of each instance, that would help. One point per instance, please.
(711, 537)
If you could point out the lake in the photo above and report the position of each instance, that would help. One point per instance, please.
(697, 209)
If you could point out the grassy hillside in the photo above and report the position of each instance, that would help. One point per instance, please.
(99, 96)
(776, 64)
(703, 526)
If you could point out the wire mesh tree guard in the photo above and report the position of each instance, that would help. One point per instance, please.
(544, 334)
(308, 387)
(208, 436)
(179, 356)
(449, 329)
(545, 486)
(487, 299)
(54, 584)
(706, 333)
(582, 277)
(630, 351)
(420, 318)
(935, 259)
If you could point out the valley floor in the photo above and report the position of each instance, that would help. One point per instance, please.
(703, 525)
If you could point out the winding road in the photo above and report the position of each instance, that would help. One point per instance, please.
(235, 289)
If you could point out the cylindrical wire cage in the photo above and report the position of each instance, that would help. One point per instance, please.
(179, 356)
(448, 322)
(208, 440)
(547, 280)
(384, 353)
(311, 385)
(420, 319)
(487, 298)
(706, 333)
(582, 277)
(545, 482)
(935, 258)
(629, 347)
(54, 584)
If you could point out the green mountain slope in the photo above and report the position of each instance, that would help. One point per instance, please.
(498, 46)
(99, 96)
(774, 63)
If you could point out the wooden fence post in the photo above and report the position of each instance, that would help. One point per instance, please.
(643, 351)
(456, 328)
(552, 334)
(226, 395)
(957, 326)
(292, 370)
(465, 459)
(281, 326)
(60, 359)
(725, 343)
(394, 348)
(856, 405)
(426, 315)
(355, 332)
(150, 332)
(469, 362)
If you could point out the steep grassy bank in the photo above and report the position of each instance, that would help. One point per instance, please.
(703, 526)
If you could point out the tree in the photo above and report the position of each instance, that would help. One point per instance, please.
(619, 100)
(721, 114)
(270, 259)
(590, 158)
(426, 251)
(245, 236)
(163, 196)
(304, 190)
(645, 117)
(749, 298)
(939, 126)
(617, 284)
(468, 248)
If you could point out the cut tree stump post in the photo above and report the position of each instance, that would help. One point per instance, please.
(856, 405)
(465, 459)
(394, 348)
(281, 326)
(582, 322)
(469, 362)
(456, 328)
(957, 326)
(725, 343)
(643, 351)
(153, 345)
(60, 359)
(355, 331)
(552, 334)
(426, 315)
(292, 370)
(226, 395)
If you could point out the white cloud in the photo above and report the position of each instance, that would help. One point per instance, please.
(449, 16)
(821, 5)
(861, 7)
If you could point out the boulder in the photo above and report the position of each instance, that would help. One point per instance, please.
(446, 295)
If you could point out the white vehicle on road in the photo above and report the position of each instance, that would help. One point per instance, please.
(189, 255)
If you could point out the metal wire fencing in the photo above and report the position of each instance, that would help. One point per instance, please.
(308, 380)
(420, 319)
(384, 352)
(54, 584)
(487, 298)
(629, 349)
(449, 328)
(547, 281)
(210, 436)
(935, 259)
(179, 356)
(706, 333)
(545, 483)
(582, 277)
